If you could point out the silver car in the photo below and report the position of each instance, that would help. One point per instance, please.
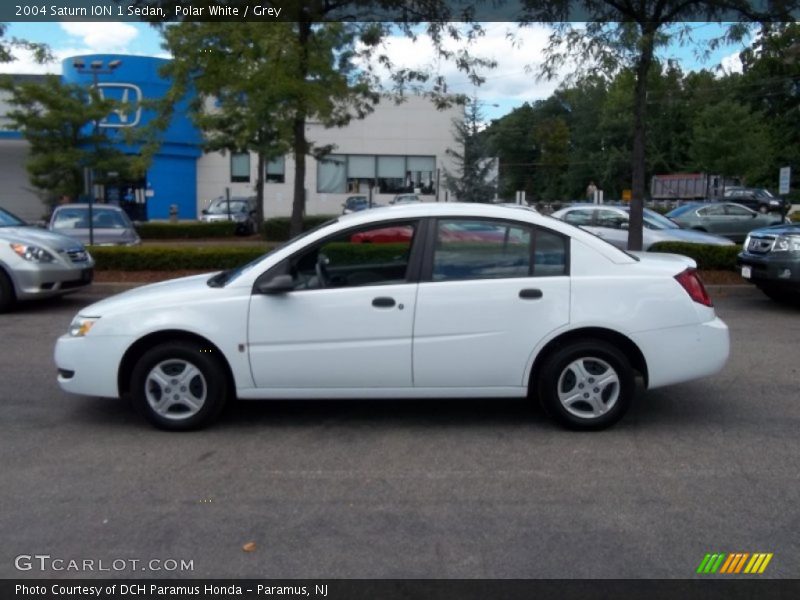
(611, 224)
(241, 210)
(110, 225)
(35, 263)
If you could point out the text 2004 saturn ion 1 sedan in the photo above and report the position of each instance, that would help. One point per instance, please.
(541, 309)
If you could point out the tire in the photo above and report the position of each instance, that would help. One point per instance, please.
(7, 297)
(572, 389)
(194, 377)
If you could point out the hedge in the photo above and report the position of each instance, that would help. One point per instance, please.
(166, 231)
(277, 228)
(169, 258)
(795, 217)
(709, 257)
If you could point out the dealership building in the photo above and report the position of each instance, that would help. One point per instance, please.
(399, 148)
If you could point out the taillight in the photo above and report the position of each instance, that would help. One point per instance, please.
(691, 282)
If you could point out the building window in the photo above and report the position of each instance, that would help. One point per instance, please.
(240, 167)
(391, 173)
(419, 174)
(276, 170)
(360, 172)
(332, 174)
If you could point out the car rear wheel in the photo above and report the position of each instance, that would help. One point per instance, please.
(586, 385)
(6, 292)
(179, 386)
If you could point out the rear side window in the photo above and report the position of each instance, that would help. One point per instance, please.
(483, 249)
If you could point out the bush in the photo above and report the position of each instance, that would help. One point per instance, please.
(170, 258)
(277, 228)
(709, 257)
(172, 231)
(795, 217)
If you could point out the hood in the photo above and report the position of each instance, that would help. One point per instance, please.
(104, 236)
(40, 237)
(163, 293)
(697, 237)
(793, 229)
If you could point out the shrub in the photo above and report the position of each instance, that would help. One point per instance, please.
(166, 231)
(707, 256)
(170, 258)
(277, 228)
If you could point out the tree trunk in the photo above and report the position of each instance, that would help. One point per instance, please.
(299, 200)
(300, 144)
(639, 164)
(262, 166)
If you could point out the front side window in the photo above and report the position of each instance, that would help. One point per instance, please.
(579, 217)
(240, 167)
(375, 255)
(738, 211)
(611, 219)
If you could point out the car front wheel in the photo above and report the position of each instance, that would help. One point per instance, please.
(179, 386)
(6, 292)
(586, 385)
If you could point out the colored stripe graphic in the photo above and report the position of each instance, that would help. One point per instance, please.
(734, 563)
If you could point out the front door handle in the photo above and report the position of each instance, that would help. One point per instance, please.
(530, 294)
(383, 302)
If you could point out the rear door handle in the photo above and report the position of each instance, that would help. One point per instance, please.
(530, 294)
(383, 302)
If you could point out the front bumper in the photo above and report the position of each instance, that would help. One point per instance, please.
(36, 280)
(89, 365)
(783, 270)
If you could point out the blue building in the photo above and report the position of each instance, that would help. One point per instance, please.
(172, 175)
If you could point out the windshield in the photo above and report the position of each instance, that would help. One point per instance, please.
(221, 208)
(653, 220)
(9, 220)
(77, 217)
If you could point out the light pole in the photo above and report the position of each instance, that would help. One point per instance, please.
(95, 69)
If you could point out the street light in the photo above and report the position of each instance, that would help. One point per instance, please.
(96, 68)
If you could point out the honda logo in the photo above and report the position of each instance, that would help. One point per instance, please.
(126, 94)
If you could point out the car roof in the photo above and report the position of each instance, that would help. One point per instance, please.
(95, 206)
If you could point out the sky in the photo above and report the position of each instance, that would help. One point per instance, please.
(507, 86)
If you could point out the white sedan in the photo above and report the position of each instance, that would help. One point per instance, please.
(396, 303)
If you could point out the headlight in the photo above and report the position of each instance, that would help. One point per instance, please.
(787, 243)
(774, 202)
(80, 326)
(32, 253)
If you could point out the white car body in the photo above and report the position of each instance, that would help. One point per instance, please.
(462, 338)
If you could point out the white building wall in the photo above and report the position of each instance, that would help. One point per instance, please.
(412, 128)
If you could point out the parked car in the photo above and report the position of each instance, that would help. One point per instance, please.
(758, 199)
(770, 259)
(570, 320)
(405, 199)
(355, 204)
(240, 209)
(111, 225)
(35, 263)
(611, 224)
(727, 219)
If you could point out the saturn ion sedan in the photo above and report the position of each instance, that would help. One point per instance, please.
(538, 309)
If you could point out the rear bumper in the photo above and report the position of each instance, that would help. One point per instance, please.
(680, 354)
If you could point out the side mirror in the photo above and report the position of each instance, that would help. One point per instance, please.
(204, 211)
(754, 215)
(280, 284)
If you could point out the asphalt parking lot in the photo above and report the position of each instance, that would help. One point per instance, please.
(451, 489)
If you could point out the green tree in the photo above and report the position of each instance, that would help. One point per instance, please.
(728, 139)
(473, 180)
(41, 52)
(628, 34)
(59, 121)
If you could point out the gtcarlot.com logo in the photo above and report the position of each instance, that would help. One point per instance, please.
(736, 563)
